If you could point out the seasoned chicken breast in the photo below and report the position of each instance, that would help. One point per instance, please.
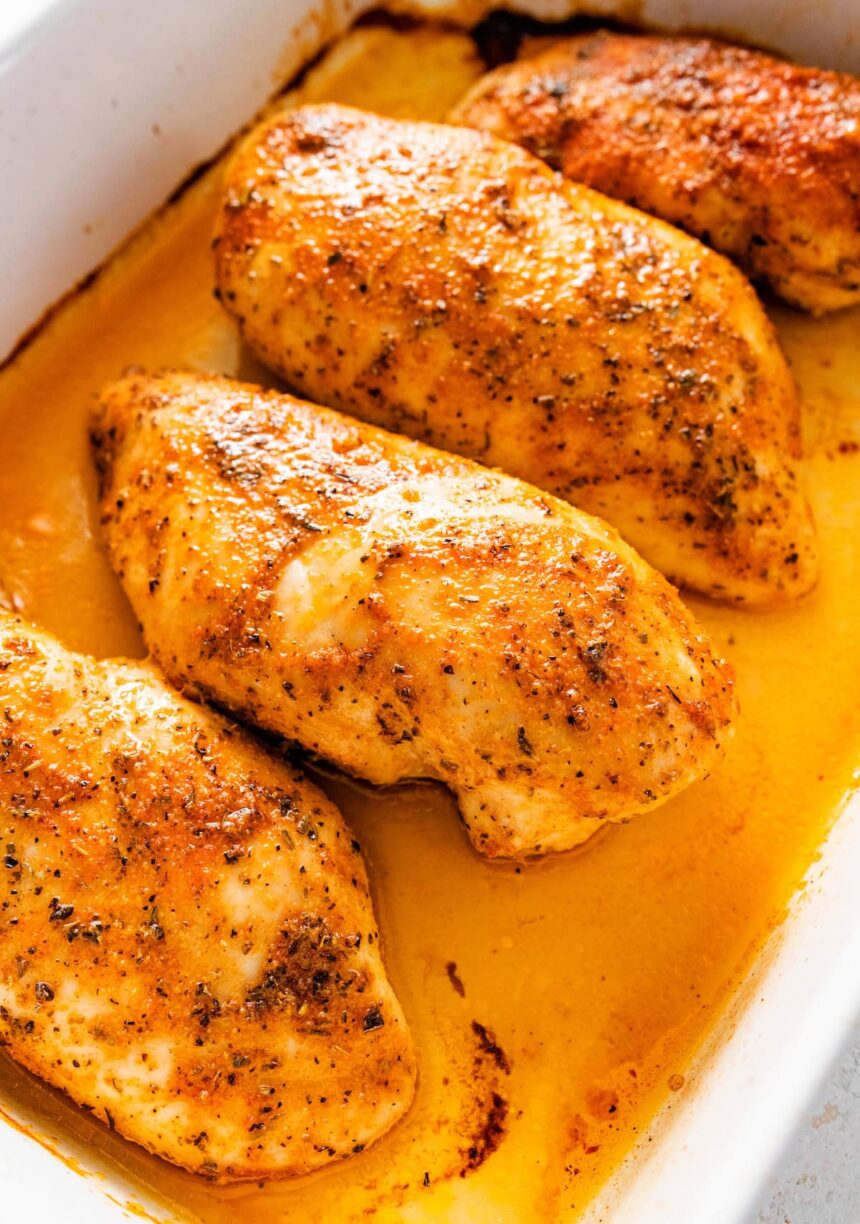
(188, 947)
(446, 284)
(758, 157)
(403, 612)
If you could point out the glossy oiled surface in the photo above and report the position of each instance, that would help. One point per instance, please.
(438, 281)
(759, 157)
(597, 974)
(402, 612)
(188, 945)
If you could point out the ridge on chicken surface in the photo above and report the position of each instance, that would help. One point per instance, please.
(758, 157)
(443, 283)
(188, 947)
(404, 612)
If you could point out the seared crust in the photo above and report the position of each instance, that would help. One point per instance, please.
(403, 612)
(446, 284)
(758, 157)
(188, 947)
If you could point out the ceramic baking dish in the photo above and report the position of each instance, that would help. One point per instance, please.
(88, 149)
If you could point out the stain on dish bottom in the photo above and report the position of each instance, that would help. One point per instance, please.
(555, 1005)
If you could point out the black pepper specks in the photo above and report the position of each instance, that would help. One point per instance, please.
(373, 1019)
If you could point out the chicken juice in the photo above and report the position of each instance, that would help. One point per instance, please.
(557, 1004)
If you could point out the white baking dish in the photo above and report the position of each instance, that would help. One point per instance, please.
(104, 106)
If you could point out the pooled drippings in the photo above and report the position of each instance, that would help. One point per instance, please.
(582, 985)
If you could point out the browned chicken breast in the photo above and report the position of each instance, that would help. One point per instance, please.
(449, 285)
(403, 612)
(188, 947)
(759, 157)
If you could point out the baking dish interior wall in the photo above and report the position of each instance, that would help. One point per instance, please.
(122, 99)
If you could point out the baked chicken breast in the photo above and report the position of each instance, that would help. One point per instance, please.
(758, 157)
(187, 947)
(448, 285)
(403, 612)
